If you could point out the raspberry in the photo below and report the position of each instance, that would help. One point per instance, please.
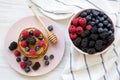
(32, 52)
(73, 36)
(37, 32)
(79, 30)
(17, 53)
(72, 29)
(75, 21)
(25, 34)
(88, 27)
(23, 44)
(41, 43)
(82, 22)
(77, 41)
(23, 65)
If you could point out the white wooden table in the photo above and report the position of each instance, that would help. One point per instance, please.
(10, 12)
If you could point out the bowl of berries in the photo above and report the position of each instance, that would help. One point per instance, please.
(91, 32)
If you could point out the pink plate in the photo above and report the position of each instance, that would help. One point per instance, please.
(57, 50)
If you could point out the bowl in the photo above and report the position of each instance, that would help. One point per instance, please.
(78, 49)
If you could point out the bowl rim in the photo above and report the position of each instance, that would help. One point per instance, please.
(79, 50)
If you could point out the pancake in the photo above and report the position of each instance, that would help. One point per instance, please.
(32, 43)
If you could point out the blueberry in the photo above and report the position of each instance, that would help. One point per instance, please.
(29, 63)
(109, 20)
(109, 25)
(112, 29)
(27, 69)
(18, 59)
(96, 21)
(100, 25)
(110, 32)
(47, 62)
(50, 27)
(105, 30)
(98, 17)
(31, 32)
(100, 30)
(83, 14)
(21, 38)
(51, 56)
(105, 17)
(91, 15)
(105, 22)
(27, 48)
(88, 18)
(25, 58)
(45, 57)
(102, 19)
(95, 13)
(37, 48)
(92, 23)
(88, 12)
(40, 37)
(93, 19)
(101, 14)
(36, 66)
